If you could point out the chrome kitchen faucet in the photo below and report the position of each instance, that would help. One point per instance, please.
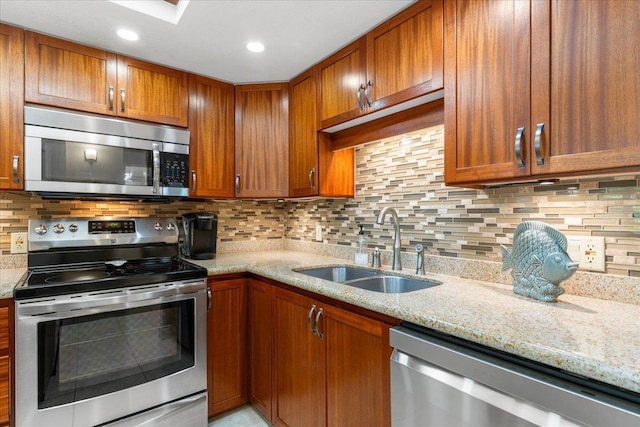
(397, 264)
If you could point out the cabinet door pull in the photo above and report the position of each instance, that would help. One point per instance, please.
(238, 184)
(110, 98)
(538, 144)
(156, 168)
(366, 93)
(315, 327)
(309, 317)
(519, 134)
(209, 299)
(193, 180)
(122, 100)
(311, 173)
(361, 104)
(16, 163)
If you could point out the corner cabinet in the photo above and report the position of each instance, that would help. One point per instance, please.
(398, 61)
(226, 344)
(211, 152)
(262, 141)
(540, 89)
(70, 75)
(11, 108)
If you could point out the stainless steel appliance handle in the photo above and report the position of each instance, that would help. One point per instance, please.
(237, 183)
(122, 100)
(309, 317)
(16, 164)
(366, 93)
(311, 173)
(538, 144)
(194, 179)
(58, 309)
(359, 96)
(110, 98)
(519, 159)
(209, 299)
(156, 168)
(315, 327)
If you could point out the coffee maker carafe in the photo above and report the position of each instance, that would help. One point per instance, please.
(200, 235)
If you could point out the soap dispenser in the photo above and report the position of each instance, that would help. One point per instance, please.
(362, 258)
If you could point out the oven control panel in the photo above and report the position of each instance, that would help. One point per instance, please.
(53, 233)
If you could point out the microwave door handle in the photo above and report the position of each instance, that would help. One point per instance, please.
(156, 168)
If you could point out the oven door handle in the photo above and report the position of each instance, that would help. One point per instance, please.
(52, 308)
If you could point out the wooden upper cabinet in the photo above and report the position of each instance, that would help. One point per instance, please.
(585, 62)
(70, 75)
(398, 61)
(11, 108)
(152, 92)
(262, 141)
(211, 152)
(303, 136)
(540, 89)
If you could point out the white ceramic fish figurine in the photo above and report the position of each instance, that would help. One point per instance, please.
(538, 261)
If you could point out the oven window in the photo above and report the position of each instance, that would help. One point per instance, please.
(92, 355)
(68, 161)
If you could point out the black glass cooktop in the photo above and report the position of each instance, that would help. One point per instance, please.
(97, 276)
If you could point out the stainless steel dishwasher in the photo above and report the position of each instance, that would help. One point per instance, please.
(438, 380)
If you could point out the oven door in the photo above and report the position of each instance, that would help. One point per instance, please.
(87, 359)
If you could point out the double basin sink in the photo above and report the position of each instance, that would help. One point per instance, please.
(371, 280)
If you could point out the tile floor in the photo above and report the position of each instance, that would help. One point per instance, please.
(245, 416)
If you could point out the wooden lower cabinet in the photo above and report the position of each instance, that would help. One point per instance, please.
(226, 344)
(6, 351)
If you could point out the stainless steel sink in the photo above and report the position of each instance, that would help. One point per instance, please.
(371, 280)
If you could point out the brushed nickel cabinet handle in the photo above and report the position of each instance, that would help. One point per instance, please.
(209, 299)
(366, 93)
(238, 184)
(110, 98)
(122, 100)
(193, 180)
(359, 96)
(311, 173)
(519, 159)
(309, 317)
(316, 328)
(16, 163)
(538, 144)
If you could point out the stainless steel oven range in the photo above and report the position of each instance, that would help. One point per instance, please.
(110, 326)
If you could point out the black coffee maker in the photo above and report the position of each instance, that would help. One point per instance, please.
(200, 235)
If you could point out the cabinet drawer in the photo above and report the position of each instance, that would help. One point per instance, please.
(4, 328)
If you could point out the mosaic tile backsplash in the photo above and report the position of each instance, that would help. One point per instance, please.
(405, 172)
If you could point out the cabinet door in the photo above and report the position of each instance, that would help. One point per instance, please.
(585, 58)
(404, 55)
(303, 138)
(300, 363)
(262, 140)
(358, 380)
(69, 75)
(261, 346)
(152, 92)
(11, 108)
(6, 329)
(340, 77)
(487, 90)
(226, 345)
(211, 152)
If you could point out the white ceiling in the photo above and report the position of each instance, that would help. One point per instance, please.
(210, 37)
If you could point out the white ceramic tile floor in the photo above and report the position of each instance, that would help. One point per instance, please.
(244, 416)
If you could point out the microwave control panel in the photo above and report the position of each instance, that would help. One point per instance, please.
(174, 169)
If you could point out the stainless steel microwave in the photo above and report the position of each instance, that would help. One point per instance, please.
(68, 153)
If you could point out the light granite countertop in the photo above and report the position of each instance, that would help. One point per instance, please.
(591, 337)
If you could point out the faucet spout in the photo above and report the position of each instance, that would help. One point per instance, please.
(397, 264)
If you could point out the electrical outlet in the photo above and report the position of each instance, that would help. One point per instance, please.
(592, 254)
(318, 232)
(18, 243)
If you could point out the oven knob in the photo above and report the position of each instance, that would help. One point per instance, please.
(157, 226)
(73, 228)
(171, 226)
(58, 228)
(41, 229)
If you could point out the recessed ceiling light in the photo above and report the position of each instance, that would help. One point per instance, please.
(128, 35)
(255, 47)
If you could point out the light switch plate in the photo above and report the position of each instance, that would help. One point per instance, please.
(18, 243)
(319, 232)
